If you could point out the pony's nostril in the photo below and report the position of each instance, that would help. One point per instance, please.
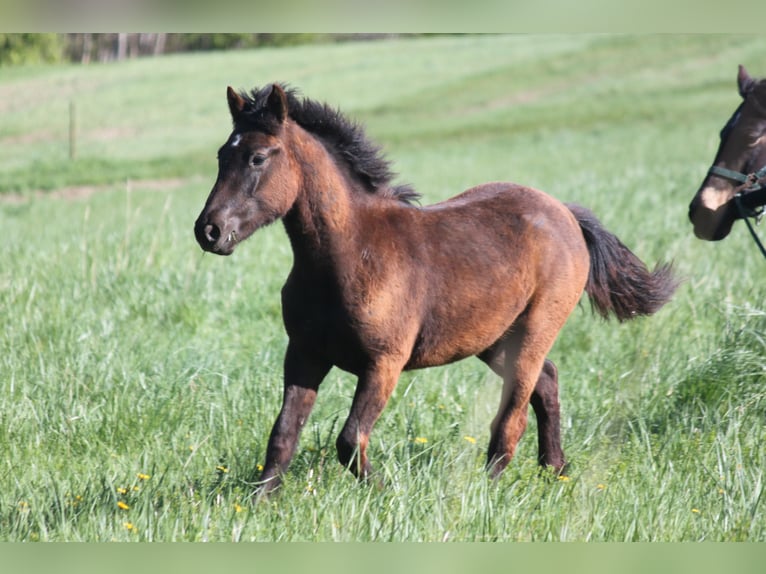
(212, 233)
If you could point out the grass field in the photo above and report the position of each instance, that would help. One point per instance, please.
(139, 378)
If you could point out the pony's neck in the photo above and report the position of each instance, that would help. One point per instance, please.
(321, 221)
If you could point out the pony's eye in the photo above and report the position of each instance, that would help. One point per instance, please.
(258, 160)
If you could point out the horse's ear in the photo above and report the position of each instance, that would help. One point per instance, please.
(744, 82)
(277, 102)
(236, 102)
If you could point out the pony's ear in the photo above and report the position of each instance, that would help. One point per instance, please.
(744, 82)
(236, 103)
(277, 102)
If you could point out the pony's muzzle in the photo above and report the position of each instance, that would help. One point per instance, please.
(211, 233)
(210, 237)
(207, 234)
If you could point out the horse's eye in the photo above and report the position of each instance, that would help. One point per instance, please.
(258, 160)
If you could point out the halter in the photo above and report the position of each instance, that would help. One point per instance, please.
(749, 197)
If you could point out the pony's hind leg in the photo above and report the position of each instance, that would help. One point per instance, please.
(524, 349)
(545, 402)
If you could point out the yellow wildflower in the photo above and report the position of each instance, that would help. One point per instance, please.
(420, 440)
(563, 478)
(142, 476)
(601, 486)
(221, 468)
(129, 525)
(695, 510)
(259, 467)
(122, 490)
(122, 506)
(470, 439)
(237, 507)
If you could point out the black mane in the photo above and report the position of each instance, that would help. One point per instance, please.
(344, 137)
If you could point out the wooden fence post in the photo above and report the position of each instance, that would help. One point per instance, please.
(72, 130)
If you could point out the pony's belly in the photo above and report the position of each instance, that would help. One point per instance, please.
(420, 360)
(458, 340)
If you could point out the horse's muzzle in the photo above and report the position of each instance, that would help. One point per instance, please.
(712, 214)
(210, 237)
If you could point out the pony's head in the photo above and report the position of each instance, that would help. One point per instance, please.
(255, 184)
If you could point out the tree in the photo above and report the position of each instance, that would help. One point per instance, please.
(17, 49)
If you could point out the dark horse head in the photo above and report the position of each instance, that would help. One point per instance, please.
(741, 154)
(253, 156)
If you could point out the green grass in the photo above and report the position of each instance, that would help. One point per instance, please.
(126, 351)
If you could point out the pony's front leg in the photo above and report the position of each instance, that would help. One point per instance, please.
(303, 374)
(372, 393)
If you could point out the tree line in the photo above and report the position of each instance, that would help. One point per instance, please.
(86, 48)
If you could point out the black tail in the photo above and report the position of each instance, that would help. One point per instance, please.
(619, 282)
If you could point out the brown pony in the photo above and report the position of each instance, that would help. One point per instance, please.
(736, 183)
(379, 285)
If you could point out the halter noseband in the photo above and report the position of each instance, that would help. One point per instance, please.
(749, 197)
(751, 192)
(751, 181)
